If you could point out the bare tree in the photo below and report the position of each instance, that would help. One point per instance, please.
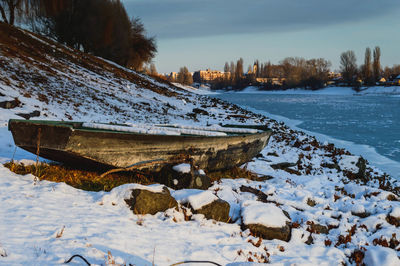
(377, 63)
(348, 66)
(366, 69)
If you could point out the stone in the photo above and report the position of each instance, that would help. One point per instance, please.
(282, 233)
(10, 104)
(283, 165)
(319, 229)
(364, 214)
(177, 180)
(353, 166)
(311, 202)
(35, 113)
(143, 201)
(362, 165)
(217, 210)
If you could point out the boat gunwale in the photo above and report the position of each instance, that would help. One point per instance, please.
(77, 126)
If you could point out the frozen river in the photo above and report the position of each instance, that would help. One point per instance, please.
(366, 125)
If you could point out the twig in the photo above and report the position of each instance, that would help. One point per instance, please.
(79, 256)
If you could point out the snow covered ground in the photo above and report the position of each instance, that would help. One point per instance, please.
(335, 218)
(46, 223)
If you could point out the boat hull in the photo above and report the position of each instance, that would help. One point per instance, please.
(81, 147)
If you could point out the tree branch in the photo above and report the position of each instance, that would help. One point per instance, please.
(3, 14)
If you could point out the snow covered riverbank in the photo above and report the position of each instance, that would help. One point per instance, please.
(45, 223)
(334, 210)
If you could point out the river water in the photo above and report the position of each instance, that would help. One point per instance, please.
(365, 125)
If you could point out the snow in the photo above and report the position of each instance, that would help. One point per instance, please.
(267, 214)
(141, 130)
(201, 90)
(154, 130)
(381, 256)
(214, 128)
(182, 168)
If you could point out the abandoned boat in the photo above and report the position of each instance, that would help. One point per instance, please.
(122, 146)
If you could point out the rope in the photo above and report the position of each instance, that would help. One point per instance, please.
(195, 261)
(78, 256)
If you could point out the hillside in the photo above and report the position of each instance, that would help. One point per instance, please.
(67, 84)
(332, 209)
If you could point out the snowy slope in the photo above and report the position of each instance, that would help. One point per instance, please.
(45, 223)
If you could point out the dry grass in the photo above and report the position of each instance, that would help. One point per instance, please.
(78, 178)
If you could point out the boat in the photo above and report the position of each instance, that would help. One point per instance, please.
(211, 148)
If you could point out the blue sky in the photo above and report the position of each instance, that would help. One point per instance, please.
(203, 34)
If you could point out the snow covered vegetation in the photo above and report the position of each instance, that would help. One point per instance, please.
(306, 203)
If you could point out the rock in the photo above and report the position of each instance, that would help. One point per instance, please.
(311, 202)
(361, 214)
(217, 210)
(353, 166)
(393, 220)
(10, 104)
(282, 233)
(200, 111)
(359, 210)
(392, 197)
(143, 201)
(30, 115)
(331, 166)
(178, 180)
(362, 165)
(318, 229)
(283, 165)
(266, 220)
(394, 217)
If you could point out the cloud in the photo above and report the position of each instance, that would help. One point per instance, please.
(197, 18)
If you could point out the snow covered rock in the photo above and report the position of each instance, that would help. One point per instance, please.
(359, 210)
(206, 203)
(143, 201)
(183, 168)
(379, 256)
(266, 220)
(394, 217)
(181, 177)
(354, 165)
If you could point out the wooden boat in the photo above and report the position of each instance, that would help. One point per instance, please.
(121, 146)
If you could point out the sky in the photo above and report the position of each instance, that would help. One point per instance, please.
(204, 34)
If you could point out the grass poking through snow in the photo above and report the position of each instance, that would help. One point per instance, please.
(78, 178)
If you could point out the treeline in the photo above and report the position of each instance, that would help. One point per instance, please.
(297, 72)
(289, 73)
(100, 27)
(370, 72)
